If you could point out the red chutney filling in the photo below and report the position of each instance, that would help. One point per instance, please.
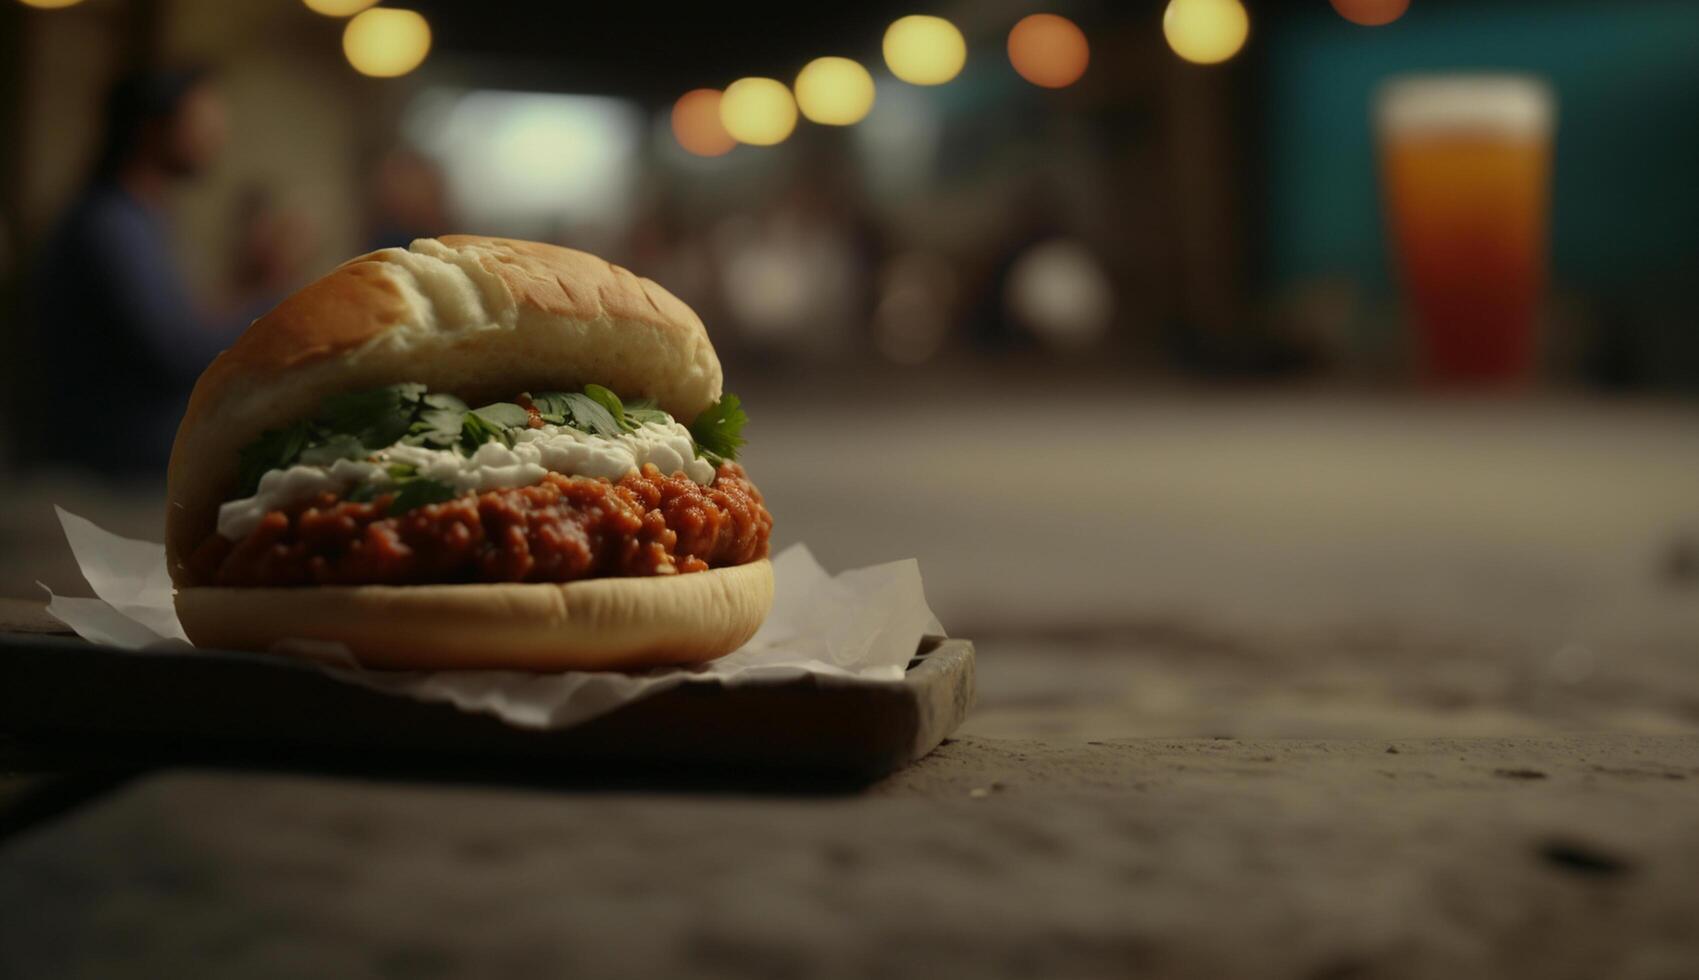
(562, 529)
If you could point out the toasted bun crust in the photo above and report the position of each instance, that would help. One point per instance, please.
(596, 624)
(482, 318)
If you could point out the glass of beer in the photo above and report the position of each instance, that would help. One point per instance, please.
(1466, 173)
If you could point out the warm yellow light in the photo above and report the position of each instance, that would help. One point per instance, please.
(1371, 13)
(924, 50)
(338, 8)
(697, 126)
(1206, 32)
(834, 91)
(1049, 51)
(385, 42)
(758, 111)
(50, 4)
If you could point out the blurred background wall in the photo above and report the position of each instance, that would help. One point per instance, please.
(1219, 221)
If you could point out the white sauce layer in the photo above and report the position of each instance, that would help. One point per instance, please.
(550, 449)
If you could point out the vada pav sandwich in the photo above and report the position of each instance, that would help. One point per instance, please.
(470, 453)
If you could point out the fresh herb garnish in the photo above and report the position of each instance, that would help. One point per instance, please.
(504, 413)
(609, 401)
(595, 410)
(718, 431)
(438, 423)
(273, 450)
(552, 407)
(639, 417)
(404, 476)
(418, 492)
(642, 411)
(376, 417)
(476, 429)
(335, 447)
(355, 425)
(584, 413)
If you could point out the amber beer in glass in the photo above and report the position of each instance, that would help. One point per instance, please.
(1466, 173)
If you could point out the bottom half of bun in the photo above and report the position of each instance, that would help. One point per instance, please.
(594, 624)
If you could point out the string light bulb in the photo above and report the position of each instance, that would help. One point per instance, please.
(338, 8)
(386, 42)
(697, 125)
(1049, 51)
(1371, 13)
(924, 50)
(1206, 32)
(834, 91)
(758, 111)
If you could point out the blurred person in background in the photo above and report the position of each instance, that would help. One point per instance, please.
(271, 240)
(117, 322)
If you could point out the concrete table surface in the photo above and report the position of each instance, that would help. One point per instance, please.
(1295, 685)
(1549, 857)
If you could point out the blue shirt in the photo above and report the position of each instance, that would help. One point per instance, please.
(121, 335)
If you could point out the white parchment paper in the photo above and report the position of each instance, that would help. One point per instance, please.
(857, 627)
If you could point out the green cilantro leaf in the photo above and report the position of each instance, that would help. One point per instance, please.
(590, 415)
(642, 411)
(329, 450)
(475, 430)
(273, 450)
(610, 401)
(493, 422)
(438, 424)
(443, 401)
(418, 492)
(504, 413)
(377, 416)
(552, 406)
(718, 431)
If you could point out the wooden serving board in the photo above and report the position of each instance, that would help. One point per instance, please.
(68, 704)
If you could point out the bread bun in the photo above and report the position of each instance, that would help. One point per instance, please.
(595, 624)
(482, 318)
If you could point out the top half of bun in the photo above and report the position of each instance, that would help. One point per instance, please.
(483, 318)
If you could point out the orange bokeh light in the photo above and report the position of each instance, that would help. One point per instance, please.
(1371, 13)
(697, 126)
(1049, 51)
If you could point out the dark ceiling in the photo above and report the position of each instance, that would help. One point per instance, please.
(651, 51)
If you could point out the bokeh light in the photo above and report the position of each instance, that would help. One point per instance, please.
(530, 163)
(834, 91)
(697, 126)
(338, 8)
(385, 42)
(923, 50)
(1049, 51)
(1206, 32)
(758, 111)
(1371, 13)
(50, 4)
(1059, 290)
